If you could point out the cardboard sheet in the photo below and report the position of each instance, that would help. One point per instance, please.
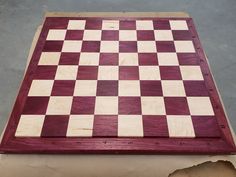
(100, 165)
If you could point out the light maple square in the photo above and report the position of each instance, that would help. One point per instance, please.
(128, 59)
(108, 73)
(128, 35)
(110, 24)
(59, 105)
(30, 126)
(130, 126)
(89, 59)
(66, 72)
(92, 35)
(49, 58)
(106, 105)
(57, 34)
(129, 88)
(167, 59)
(180, 126)
(144, 25)
(109, 47)
(163, 35)
(173, 88)
(184, 47)
(80, 126)
(149, 73)
(178, 25)
(76, 24)
(153, 106)
(85, 88)
(147, 47)
(200, 106)
(191, 73)
(71, 46)
(41, 88)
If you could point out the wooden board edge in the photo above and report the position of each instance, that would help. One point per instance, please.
(119, 146)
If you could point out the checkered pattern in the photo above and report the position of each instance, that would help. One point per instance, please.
(118, 78)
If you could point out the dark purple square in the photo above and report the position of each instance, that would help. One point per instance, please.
(87, 73)
(74, 34)
(195, 88)
(161, 24)
(181, 35)
(128, 73)
(69, 58)
(93, 24)
(83, 105)
(165, 46)
(176, 106)
(145, 35)
(205, 126)
(129, 105)
(45, 72)
(56, 23)
(128, 46)
(170, 73)
(63, 88)
(109, 35)
(108, 59)
(188, 58)
(105, 126)
(55, 126)
(155, 126)
(35, 105)
(147, 59)
(107, 88)
(151, 88)
(127, 25)
(52, 46)
(90, 46)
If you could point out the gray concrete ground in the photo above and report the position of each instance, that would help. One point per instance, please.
(215, 21)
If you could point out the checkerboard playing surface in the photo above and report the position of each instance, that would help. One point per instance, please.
(118, 85)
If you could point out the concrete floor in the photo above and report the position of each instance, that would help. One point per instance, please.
(215, 21)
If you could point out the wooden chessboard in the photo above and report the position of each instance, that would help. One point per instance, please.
(118, 85)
